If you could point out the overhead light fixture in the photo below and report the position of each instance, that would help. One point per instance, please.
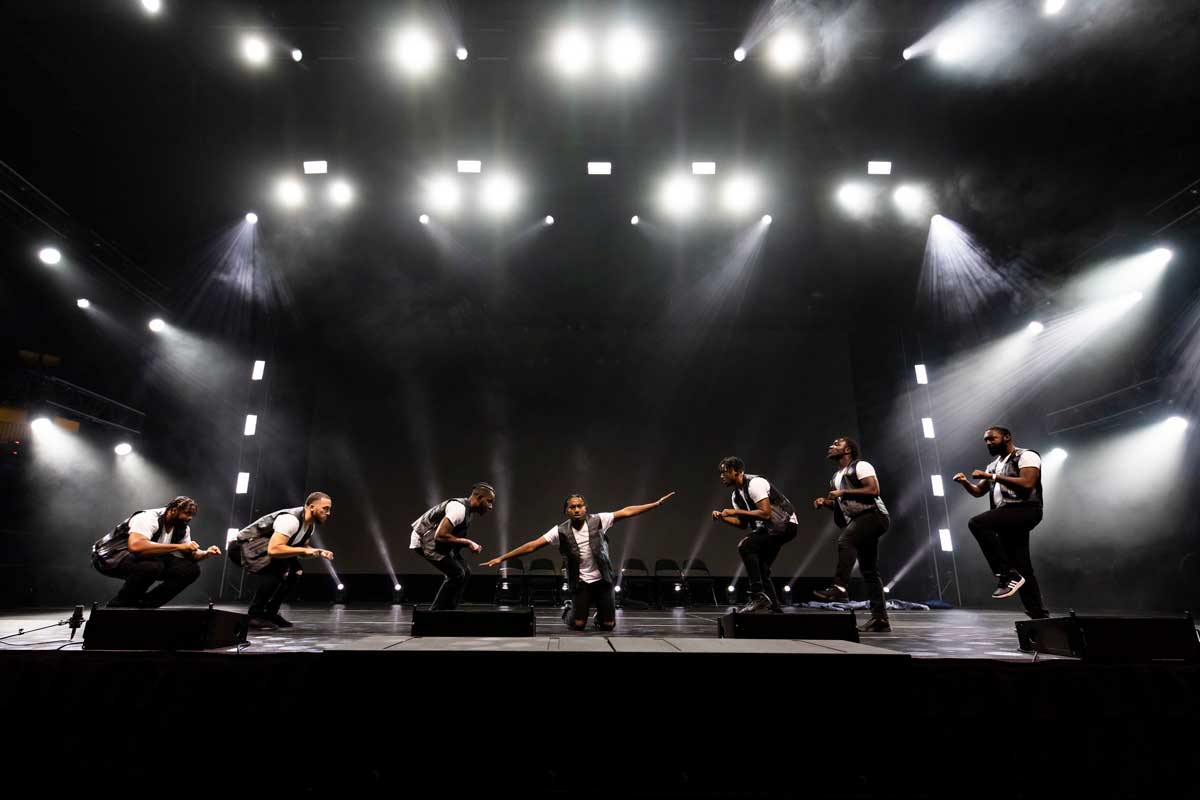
(571, 52)
(316, 167)
(297, 54)
(785, 50)
(599, 167)
(739, 54)
(50, 255)
(704, 168)
(416, 51)
(470, 166)
(255, 50)
(879, 168)
(461, 54)
(157, 325)
(123, 449)
(83, 302)
(252, 218)
(260, 367)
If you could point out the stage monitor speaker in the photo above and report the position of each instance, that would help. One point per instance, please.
(801, 625)
(163, 629)
(482, 622)
(1112, 639)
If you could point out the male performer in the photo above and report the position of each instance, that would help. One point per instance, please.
(583, 541)
(152, 545)
(1014, 478)
(438, 537)
(771, 520)
(271, 547)
(859, 511)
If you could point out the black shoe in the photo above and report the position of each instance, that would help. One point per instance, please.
(1008, 586)
(834, 594)
(279, 621)
(759, 602)
(1043, 614)
(876, 625)
(262, 624)
(776, 609)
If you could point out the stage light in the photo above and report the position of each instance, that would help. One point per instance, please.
(157, 325)
(1176, 425)
(599, 168)
(123, 449)
(243, 483)
(423, 219)
(787, 588)
(922, 375)
(740, 195)
(549, 220)
(255, 50)
(341, 587)
(927, 427)
(704, 168)
(83, 302)
(499, 194)
(731, 588)
(879, 168)
(678, 196)
(416, 50)
(1052, 7)
(1162, 255)
(316, 167)
(259, 368)
(617, 588)
(470, 166)
(398, 587)
(252, 218)
(947, 542)
(297, 54)
(739, 54)
(1056, 456)
(1035, 327)
(572, 52)
(766, 219)
(565, 587)
(251, 425)
(290, 193)
(855, 198)
(152, 6)
(785, 50)
(954, 47)
(626, 52)
(231, 534)
(678, 587)
(938, 489)
(908, 54)
(461, 54)
(443, 194)
(50, 255)
(911, 200)
(634, 220)
(341, 194)
(41, 425)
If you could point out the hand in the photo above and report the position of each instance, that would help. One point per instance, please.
(664, 499)
(475, 547)
(980, 474)
(716, 515)
(820, 502)
(213, 551)
(495, 562)
(326, 554)
(959, 478)
(188, 547)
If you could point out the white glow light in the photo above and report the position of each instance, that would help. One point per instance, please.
(1056, 456)
(855, 198)
(423, 219)
(954, 47)
(83, 302)
(626, 53)
(908, 54)
(316, 167)
(922, 375)
(152, 6)
(461, 54)
(500, 194)
(255, 50)
(470, 166)
(157, 325)
(341, 587)
(416, 51)
(731, 588)
(740, 195)
(231, 534)
(1176, 424)
(879, 168)
(927, 427)
(1035, 327)
(617, 589)
(123, 449)
(41, 425)
(634, 220)
(1052, 7)
(443, 194)
(297, 54)
(785, 50)
(766, 219)
(252, 218)
(549, 220)
(938, 489)
(599, 167)
(739, 54)
(704, 168)
(911, 200)
(259, 368)
(243, 483)
(679, 196)
(341, 194)
(572, 52)
(787, 588)
(290, 193)
(396, 588)
(50, 255)
(251, 425)
(947, 542)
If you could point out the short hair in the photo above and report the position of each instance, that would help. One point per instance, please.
(481, 488)
(567, 500)
(316, 497)
(733, 463)
(183, 504)
(1000, 429)
(851, 445)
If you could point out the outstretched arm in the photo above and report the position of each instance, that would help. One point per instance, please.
(973, 489)
(633, 511)
(525, 549)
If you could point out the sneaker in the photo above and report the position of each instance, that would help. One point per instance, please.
(834, 594)
(1008, 586)
(759, 602)
(568, 611)
(279, 621)
(262, 624)
(876, 625)
(776, 609)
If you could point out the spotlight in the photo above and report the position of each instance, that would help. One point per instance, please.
(939, 489)
(339, 597)
(704, 168)
(461, 54)
(953, 48)
(617, 588)
(423, 219)
(251, 425)
(678, 587)
(855, 198)
(1035, 327)
(255, 50)
(911, 200)
(297, 54)
(1052, 7)
(316, 167)
(252, 218)
(157, 325)
(442, 193)
(922, 375)
(927, 427)
(549, 220)
(396, 588)
(572, 52)
(341, 194)
(678, 196)
(625, 52)
(740, 195)
(1176, 424)
(785, 50)
(499, 194)
(123, 449)
(908, 54)
(41, 425)
(243, 483)
(599, 168)
(634, 220)
(152, 6)
(259, 368)
(731, 588)
(787, 588)
(766, 219)
(83, 302)
(947, 542)
(290, 193)
(50, 255)
(1057, 455)
(1162, 255)
(416, 51)
(470, 166)
(397, 593)
(879, 168)
(739, 54)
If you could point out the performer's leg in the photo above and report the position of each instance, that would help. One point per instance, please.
(576, 615)
(750, 549)
(1016, 545)
(847, 552)
(177, 575)
(606, 605)
(290, 573)
(456, 577)
(270, 578)
(766, 558)
(984, 528)
(868, 529)
(462, 587)
(139, 574)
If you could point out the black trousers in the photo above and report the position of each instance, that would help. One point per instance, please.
(454, 586)
(860, 542)
(759, 551)
(140, 573)
(1003, 536)
(586, 595)
(275, 584)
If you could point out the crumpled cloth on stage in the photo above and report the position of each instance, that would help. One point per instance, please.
(863, 605)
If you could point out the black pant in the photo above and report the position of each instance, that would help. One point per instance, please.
(275, 584)
(759, 551)
(860, 542)
(1003, 536)
(454, 586)
(599, 593)
(139, 573)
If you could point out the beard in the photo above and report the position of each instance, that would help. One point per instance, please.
(996, 449)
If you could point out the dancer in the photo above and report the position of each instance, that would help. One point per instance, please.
(859, 511)
(1013, 483)
(771, 520)
(438, 537)
(152, 545)
(271, 547)
(583, 541)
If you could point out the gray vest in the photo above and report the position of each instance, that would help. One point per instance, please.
(781, 507)
(847, 508)
(426, 525)
(1010, 496)
(111, 549)
(254, 539)
(569, 547)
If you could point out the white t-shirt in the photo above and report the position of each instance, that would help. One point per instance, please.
(456, 512)
(758, 488)
(1028, 459)
(146, 523)
(289, 526)
(863, 469)
(588, 571)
